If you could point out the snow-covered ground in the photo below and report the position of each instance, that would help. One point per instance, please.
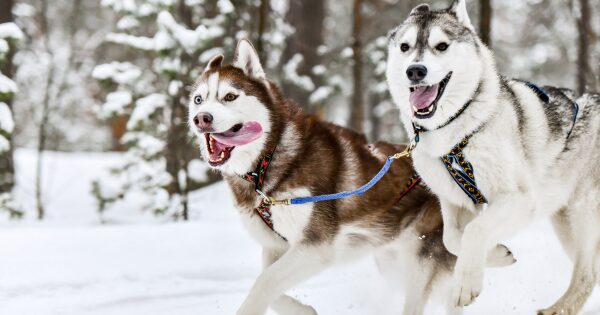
(71, 264)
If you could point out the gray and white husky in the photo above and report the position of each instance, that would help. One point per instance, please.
(248, 131)
(497, 152)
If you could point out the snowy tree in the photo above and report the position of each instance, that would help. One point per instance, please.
(54, 59)
(173, 41)
(9, 35)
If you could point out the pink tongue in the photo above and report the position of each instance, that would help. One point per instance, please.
(250, 131)
(423, 96)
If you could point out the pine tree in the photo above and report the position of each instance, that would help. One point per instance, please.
(174, 40)
(9, 35)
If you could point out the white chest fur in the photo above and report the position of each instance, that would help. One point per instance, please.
(289, 221)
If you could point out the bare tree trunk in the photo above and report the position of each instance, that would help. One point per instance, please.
(356, 117)
(176, 161)
(7, 170)
(43, 124)
(585, 32)
(307, 17)
(485, 22)
(178, 155)
(263, 15)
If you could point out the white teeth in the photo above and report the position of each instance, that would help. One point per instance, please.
(422, 112)
(222, 155)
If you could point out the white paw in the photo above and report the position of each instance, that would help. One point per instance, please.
(245, 310)
(304, 310)
(467, 287)
(296, 308)
(554, 310)
(500, 256)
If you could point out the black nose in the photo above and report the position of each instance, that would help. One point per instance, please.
(203, 120)
(416, 73)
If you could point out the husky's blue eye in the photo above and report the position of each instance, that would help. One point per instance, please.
(404, 47)
(441, 46)
(197, 99)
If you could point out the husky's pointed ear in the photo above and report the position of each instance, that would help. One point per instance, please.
(459, 9)
(246, 58)
(215, 62)
(421, 8)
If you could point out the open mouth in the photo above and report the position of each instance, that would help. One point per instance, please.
(424, 99)
(220, 145)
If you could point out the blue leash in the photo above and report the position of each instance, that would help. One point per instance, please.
(357, 192)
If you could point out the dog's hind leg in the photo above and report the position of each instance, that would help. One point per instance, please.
(452, 309)
(562, 227)
(455, 219)
(584, 245)
(444, 291)
(402, 266)
(418, 294)
(299, 263)
(284, 305)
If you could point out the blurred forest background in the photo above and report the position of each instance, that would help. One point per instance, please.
(112, 75)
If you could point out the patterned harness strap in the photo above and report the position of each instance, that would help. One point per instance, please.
(461, 171)
(257, 177)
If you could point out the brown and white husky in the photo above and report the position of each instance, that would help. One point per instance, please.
(258, 139)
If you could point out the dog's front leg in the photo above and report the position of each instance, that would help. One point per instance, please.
(455, 220)
(298, 264)
(284, 305)
(506, 215)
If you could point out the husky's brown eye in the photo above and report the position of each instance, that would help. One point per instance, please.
(197, 99)
(404, 47)
(230, 97)
(441, 46)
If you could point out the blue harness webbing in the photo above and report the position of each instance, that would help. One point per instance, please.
(544, 97)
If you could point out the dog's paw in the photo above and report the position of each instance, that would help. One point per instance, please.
(246, 310)
(500, 256)
(286, 305)
(467, 287)
(306, 310)
(556, 310)
(299, 309)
